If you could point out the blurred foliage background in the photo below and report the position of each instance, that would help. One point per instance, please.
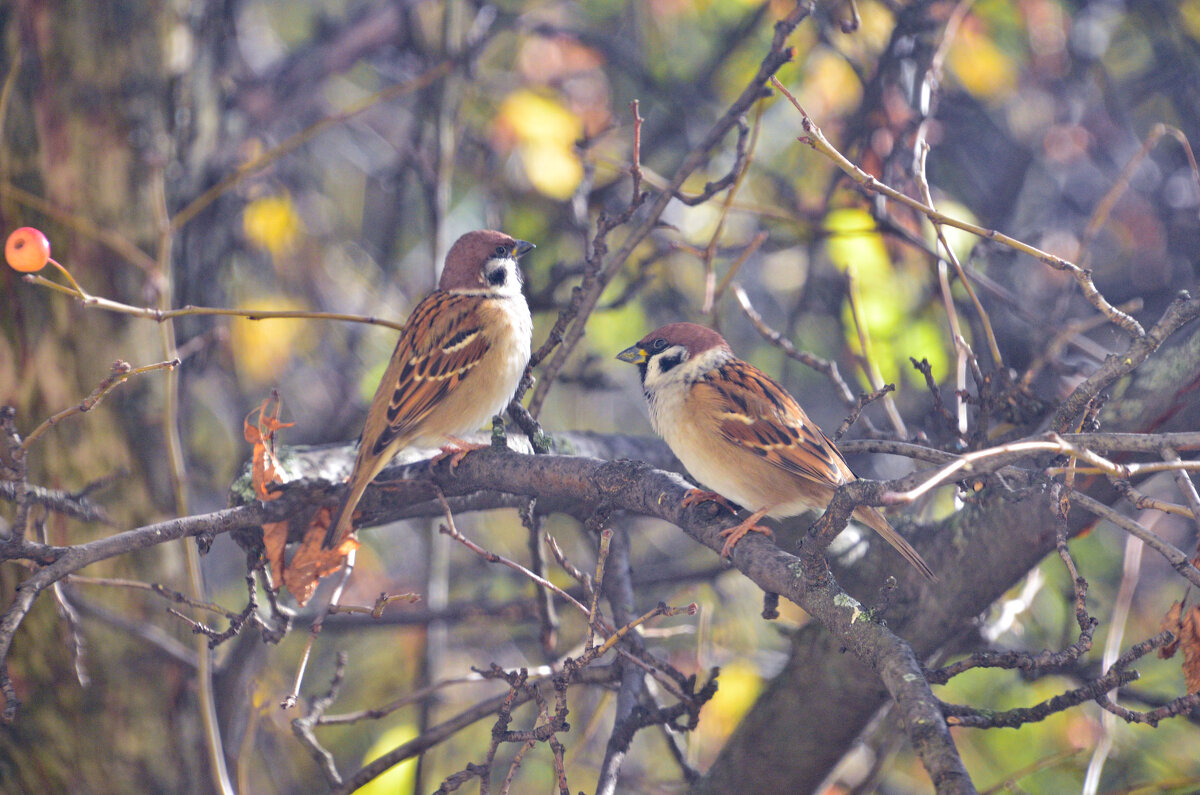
(118, 116)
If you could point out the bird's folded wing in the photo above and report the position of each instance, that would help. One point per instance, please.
(442, 343)
(756, 414)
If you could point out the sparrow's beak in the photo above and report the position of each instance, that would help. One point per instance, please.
(523, 247)
(633, 354)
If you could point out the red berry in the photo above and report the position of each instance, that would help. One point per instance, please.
(27, 250)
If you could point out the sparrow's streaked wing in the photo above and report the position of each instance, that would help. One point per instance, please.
(758, 415)
(441, 344)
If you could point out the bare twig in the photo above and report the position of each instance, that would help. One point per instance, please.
(601, 559)
(593, 285)
(816, 139)
(867, 360)
(865, 399)
(318, 623)
(297, 140)
(1186, 486)
(595, 675)
(826, 367)
(547, 618)
(1045, 661)
(162, 315)
(74, 505)
(1066, 335)
(1182, 310)
(491, 557)
(376, 610)
(592, 274)
(963, 352)
(1178, 560)
(121, 372)
(303, 727)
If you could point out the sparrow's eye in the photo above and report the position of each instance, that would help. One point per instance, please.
(659, 344)
(501, 251)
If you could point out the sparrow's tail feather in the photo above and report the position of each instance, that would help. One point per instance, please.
(874, 519)
(341, 523)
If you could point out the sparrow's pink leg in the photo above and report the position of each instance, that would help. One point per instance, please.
(697, 496)
(734, 534)
(456, 451)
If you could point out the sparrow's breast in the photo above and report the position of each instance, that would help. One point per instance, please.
(486, 391)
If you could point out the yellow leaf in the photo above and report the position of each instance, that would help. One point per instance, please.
(737, 688)
(830, 88)
(983, 68)
(552, 170)
(400, 779)
(887, 300)
(1189, 15)
(272, 223)
(262, 348)
(531, 116)
(544, 132)
(854, 242)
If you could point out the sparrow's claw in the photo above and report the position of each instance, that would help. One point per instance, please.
(697, 496)
(456, 451)
(734, 534)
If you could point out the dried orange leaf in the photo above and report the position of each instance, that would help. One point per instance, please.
(312, 561)
(1189, 641)
(275, 540)
(264, 466)
(1170, 623)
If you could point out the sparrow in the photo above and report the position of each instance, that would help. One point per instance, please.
(457, 363)
(739, 432)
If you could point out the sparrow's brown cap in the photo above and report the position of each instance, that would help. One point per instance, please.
(465, 260)
(695, 338)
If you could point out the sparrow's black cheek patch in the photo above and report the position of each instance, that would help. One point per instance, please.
(497, 277)
(669, 362)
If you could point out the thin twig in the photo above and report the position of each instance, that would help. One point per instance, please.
(594, 285)
(826, 367)
(867, 360)
(121, 372)
(1105, 206)
(318, 623)
(865, 399)
(1186, 486)
(816, 139)
(303, 727)
(1178, 560)
(452, 530)
(156, 588)
(601, 559)
(161, 315)
(304, 136)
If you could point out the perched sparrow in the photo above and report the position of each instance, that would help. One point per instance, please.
(739, 432)
(457, 363)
